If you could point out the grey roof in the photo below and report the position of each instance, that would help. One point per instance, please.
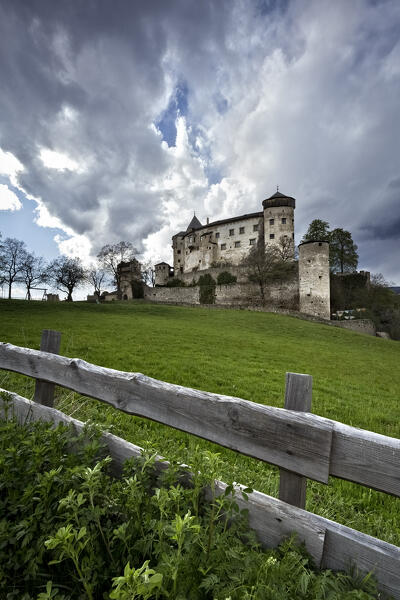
(194, 224)
(231, 220)
(279, 195)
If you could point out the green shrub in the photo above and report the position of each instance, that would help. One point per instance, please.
(207, 289)
(68, 530)
(175, 283)
(225, 278)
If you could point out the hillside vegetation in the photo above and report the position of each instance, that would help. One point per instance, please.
(240, 353)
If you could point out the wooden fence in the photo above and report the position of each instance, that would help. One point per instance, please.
(301, 444)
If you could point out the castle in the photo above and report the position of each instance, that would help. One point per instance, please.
(222, 245)
(228, 241)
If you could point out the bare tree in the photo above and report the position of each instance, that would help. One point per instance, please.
(148, 274)
(264, 265)
(33, 271)
(285, 248)
(111, 255)
(95, 276)
(66, 274)
(12, 254)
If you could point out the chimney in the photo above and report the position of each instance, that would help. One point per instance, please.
(208, 220)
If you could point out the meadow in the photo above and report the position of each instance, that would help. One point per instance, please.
(356, 380)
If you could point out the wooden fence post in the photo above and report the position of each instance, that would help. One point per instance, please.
(298, 394)
(44, 391)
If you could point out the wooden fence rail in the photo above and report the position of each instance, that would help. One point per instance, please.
(303, 445)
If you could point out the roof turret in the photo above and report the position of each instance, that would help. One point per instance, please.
(279, 199)
(194, 224)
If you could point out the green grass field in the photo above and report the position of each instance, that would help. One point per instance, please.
(239, 353)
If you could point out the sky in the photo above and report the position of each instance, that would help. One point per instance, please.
(120, 119)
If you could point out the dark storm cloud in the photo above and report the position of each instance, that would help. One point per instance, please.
(383, 222)
(301, 93)
(87, 79)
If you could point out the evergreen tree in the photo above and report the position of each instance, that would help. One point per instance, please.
(343, 256)
(317, 231)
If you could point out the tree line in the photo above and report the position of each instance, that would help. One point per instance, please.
(19, 265)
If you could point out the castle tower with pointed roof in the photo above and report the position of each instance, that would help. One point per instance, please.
(279, 220)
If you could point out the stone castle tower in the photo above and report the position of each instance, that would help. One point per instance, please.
(314, 281)
(279, 218)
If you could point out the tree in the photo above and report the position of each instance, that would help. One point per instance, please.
(111, 255)
(95, 277)
(148, 274)
(285, 248)
(343, 256)
(265, 266)
(33, 271)
(66, 274)
(12, 254)
(317, 231)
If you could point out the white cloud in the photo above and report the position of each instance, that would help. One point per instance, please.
(75, 246)
(58, 160)
(8, 200)
(10, 166)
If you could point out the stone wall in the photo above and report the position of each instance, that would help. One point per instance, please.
(234, 294)
(361, 325)
(173, 295)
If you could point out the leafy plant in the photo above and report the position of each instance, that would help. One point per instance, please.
(225, 278)
(69, 530)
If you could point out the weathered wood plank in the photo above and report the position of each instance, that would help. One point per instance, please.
(360, 456)
(331, 545)
(44, 391)
(346, 548)
(298, 394)
(366, 457)
(296, 442)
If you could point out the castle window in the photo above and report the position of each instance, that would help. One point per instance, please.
(237, 244)
(255, 227)
(223, 246)
(179, 260)
(252, 241)
(241, 229)
(217, 235)
(284, 221)
(179, 251)
(271, 221)
(293, 236)
(190, 239)
(271, 236)
(231, 232)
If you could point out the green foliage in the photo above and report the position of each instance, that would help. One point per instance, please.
(356, 380)
(353, 291)
(68, 530)
(207, 289)
(342, 251)
(317, 231)
(343, 256)
(225, 278)
(175, 283)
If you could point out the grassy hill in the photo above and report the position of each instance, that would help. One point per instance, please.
(240, 353)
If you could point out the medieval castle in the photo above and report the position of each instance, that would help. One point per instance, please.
(222, 245)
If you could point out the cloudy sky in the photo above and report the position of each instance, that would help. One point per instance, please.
(119, 119)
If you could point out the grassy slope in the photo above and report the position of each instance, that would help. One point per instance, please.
(246, 354)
